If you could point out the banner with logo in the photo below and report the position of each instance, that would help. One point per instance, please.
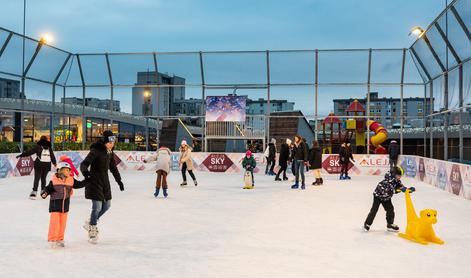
(452, 177)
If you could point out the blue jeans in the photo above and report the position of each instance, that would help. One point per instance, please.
(299, 168)
(98, 209)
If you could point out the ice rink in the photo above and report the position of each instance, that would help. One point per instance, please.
(219, 230)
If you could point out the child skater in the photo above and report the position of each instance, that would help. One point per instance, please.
(163, 158)
(249, 164)
(60, 191)
(186, 163)
(382, 196)
(315, 162)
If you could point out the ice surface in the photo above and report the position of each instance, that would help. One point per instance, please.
(220, 230)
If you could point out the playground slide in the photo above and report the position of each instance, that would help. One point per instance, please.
(381, 135)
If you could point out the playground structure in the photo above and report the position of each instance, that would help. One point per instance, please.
(331, 120)
(381, 135)
(357, 125)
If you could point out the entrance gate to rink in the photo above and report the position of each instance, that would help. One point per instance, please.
(254, 128)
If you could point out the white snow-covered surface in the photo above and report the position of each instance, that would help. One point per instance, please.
(220, 230)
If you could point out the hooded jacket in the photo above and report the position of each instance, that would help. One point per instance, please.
(387, 187)
(315, 158)
(163, 158)
(99, 160)
(40, 147)
(60, 190)
(393, 151)
(284, 155)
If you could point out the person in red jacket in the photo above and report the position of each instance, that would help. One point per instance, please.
(60, 189)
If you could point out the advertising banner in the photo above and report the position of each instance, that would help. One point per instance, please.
(452, 177)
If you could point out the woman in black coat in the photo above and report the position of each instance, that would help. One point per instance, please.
(283, 160)
(315, 162)
(42, 163)
(95, 168)
(345, 155)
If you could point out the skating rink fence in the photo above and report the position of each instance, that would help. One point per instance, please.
(452, 177)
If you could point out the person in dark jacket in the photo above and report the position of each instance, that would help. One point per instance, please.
(345, 156)
(382, 196)
(283, 160)
(42, 163)
(249, 164)
(95, 168)
(300, 160)
(270, 154)
(393, 151)
(315, 162)
(60, 189)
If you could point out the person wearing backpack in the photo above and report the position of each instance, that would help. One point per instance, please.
(42, 163)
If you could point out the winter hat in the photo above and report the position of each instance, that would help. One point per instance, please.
(184, 143)
(63, 164)
(108, 136)
(273, 141)
(397, 171)
(393, 142)
(248, 153)
(288, 141)
(67, 159)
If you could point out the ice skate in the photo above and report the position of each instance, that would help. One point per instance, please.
(156, 193)
(248, 187)
(295, 186)
(93, 234)
(86, 225)
(165, 193)
(60, 243)
(303, 186)
(285, 178)
(184, 183)
(393, 228)
(53, 244)
(321, 181)
(32, 195)
(316, 182)
(195, 182)
(347, 177)
(366, 227)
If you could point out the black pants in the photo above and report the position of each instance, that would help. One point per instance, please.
(344, 169)
(388, 207)
(270, 165)
(393, 163)
(184, 168)
(282, 169)
(40, 173)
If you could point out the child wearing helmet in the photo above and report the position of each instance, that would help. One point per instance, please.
(249, 164)
(60, 189)
(382, 195)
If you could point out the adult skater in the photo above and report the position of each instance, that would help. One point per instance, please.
(163, 166)
(270, 155)
(283, 160)
(95, 168)
(315, 162)
(393, 151)
(300, 160)
(42, 164)
(382, 196)
(186, 163)
(345, 155)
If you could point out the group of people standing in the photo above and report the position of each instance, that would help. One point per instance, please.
(300, 156)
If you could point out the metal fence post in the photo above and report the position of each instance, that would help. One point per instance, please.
(316, 94)
(445, 118)
(432, 105)
(268, 113)
(368, 99)
(203, 102)
(461, 104)
(402, 102)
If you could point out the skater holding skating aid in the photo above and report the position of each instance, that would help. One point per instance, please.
(382, 196)
(95, 168)
(42, 163)
(163, 166)
(186, 163)
(249, 164)
(60, 189)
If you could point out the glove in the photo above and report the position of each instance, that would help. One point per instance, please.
(87, 175)
(121, 185)
(18, 156)
(145, 161)
(412, 189)
(44, 194)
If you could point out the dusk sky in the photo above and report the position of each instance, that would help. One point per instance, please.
(88, 26)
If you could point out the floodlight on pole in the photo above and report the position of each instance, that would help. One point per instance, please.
(417, 31)
(46, 38)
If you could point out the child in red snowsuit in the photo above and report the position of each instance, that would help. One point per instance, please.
(60, 189)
